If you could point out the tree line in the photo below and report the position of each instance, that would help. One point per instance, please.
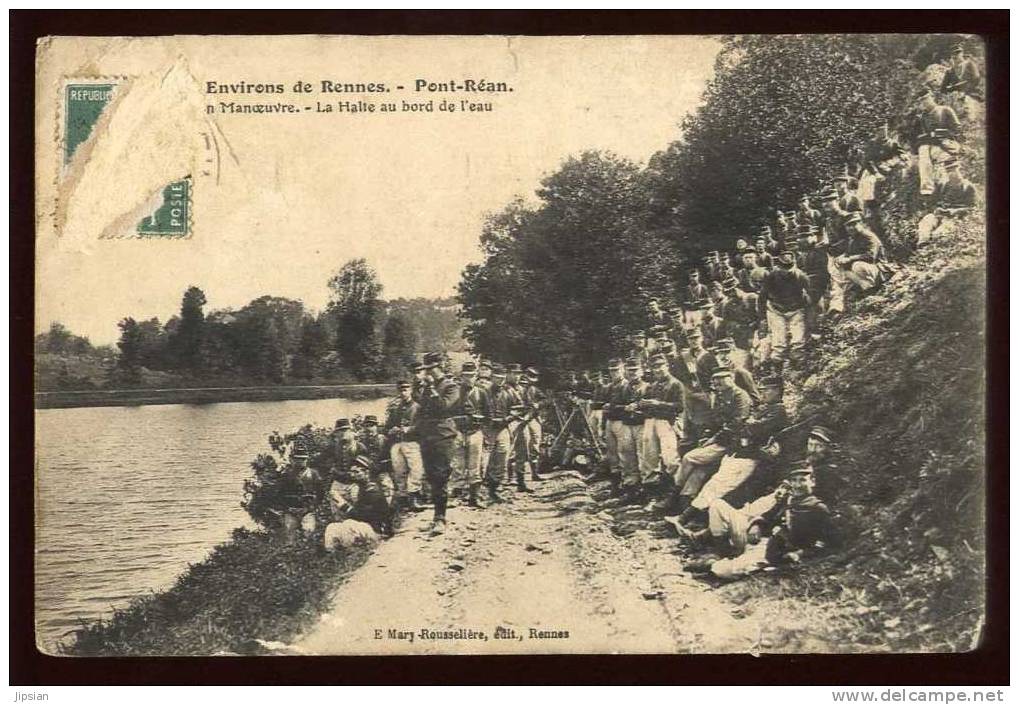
(271, 340)
(564, 278)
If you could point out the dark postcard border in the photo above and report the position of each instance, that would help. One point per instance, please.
(986, 666)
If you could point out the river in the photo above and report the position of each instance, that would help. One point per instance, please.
(127, 497)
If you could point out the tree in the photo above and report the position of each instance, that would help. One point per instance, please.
(562, 283)
(399, 343)
(130, 345)
(776, 123)
(186, 340)
(354, 306)
(312, 346)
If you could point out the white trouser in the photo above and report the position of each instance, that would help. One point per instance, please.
(408, 467)
(732, 473)
(658, 445)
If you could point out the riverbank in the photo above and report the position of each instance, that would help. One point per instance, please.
(207, 395)
(250, 591)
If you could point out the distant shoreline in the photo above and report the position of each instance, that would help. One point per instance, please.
(207, 395)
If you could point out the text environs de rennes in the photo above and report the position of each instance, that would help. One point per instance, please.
(330, 86)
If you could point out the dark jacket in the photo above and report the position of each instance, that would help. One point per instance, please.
(401, 413)
(785, 289)
(802, 524)
(663, 399)
(729, 411)
(440, 402)
(635, 391)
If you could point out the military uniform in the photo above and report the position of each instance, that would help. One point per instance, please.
(439, 404)
(783, 301)
(730, 408)
(630, 441)
(612, 412)
(864, 252)
(661, 405)
(404, 452)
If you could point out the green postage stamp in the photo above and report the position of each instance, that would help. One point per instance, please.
(84, 100)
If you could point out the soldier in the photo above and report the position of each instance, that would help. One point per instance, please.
(466, 475)
(404, 452)
(346, 447)
(420, 379)
(373, 441)
(661, 404)
(439, 402)
(764, 260)
(484, 374)
(710, 325)
(740, 316)
(300, 491)
(500, 399)
(694, 293)
(783, 301)
(629, 445)
(655, 315)
(807, 215)
(533, 398)
(730, 407)
(612, 413)
(963, 78)
(936, 134)
(849, 202)
(955, 198)
(816, 264)
(860, 263)
(721, 357)
(363, 509)
(696, 392)
(756, 444)
(797, 525)
(833, 216)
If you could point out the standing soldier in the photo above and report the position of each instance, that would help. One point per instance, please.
(467, 464)
(497, 419)
(710, 325)
(484, 374)
(439, 402)
(405, 453)
(783, 300)
(420, 379)
(612, 413)
(529, 435)
(661, 405)
(816, 264)
(629, 446)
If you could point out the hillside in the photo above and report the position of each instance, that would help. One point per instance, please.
(902, 378)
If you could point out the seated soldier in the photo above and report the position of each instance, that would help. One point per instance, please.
(730, 407)
(757, 444)
(797, 525)
(361, 504)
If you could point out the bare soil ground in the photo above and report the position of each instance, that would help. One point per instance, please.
(549, 562)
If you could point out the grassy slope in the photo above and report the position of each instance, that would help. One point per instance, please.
(902, 379)
(249, 588)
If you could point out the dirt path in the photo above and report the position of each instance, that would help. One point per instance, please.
(516, 578)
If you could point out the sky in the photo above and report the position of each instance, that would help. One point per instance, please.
(300, 195)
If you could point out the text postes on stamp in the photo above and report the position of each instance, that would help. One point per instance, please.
(85, 99)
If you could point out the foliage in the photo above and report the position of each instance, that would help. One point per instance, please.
(185, 341)
(355, 307)
(399, 343)
(562, 282)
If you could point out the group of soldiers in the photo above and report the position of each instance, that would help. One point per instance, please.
(691, 424)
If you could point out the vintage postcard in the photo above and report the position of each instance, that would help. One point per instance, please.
(510, 345)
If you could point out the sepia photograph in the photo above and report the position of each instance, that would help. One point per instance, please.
(510, 345)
